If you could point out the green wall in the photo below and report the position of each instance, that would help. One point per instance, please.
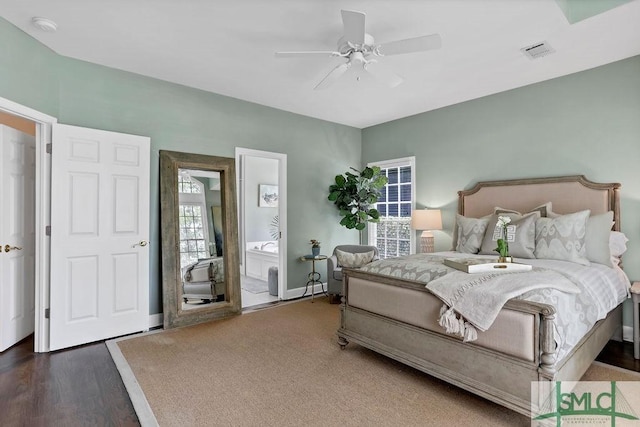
(184, 119)
(585, 123)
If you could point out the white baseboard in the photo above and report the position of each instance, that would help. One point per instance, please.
(298, 292)
(156, 320)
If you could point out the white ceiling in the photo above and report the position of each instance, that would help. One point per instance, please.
(227, 47)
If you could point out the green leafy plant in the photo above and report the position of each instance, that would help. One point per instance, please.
(503, 245)
(354, 194)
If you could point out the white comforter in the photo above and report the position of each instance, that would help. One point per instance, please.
(601, 290)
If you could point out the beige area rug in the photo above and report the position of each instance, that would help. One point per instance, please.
(282, 366)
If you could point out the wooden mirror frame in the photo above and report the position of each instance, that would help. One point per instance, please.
(174, 315)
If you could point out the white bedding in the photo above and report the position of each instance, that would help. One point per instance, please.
(602, 288)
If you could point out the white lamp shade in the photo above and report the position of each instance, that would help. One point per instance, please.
(426, 219)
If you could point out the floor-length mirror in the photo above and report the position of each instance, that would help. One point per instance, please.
(200, 256)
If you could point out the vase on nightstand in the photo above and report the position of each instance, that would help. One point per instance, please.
(315, 250)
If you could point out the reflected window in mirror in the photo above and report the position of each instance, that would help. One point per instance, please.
(194, 229)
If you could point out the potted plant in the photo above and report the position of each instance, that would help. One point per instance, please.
(315, 247)
(354, 194)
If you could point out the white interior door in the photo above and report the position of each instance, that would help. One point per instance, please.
(17, 239)
(99, 233)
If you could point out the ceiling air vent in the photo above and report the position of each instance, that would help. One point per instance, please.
(537, 50)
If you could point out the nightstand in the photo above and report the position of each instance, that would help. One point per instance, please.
(635, 294)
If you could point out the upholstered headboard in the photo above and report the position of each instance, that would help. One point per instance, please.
(567, 194)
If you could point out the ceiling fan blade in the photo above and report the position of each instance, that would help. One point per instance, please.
(333, 76)
(309, 53)
(383, 74)
(353, 22)
(416, 44)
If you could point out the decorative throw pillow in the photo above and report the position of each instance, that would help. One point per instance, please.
(597, 238)
(543, 210)
(353, 260)
(563, 237)
(521, 235)
(470, 233)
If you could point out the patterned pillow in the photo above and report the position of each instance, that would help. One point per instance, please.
(521, 235)
(563, 237)
(542, 209)
(470, 233)
(353, 260)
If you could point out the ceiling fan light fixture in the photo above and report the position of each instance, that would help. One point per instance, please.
(44, 24)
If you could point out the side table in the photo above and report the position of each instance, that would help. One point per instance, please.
(314, 276)
(635, 294)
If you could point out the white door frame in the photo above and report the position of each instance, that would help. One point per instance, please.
(44, 124)
(282, 210)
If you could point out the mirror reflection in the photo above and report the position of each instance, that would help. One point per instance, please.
(201, 229)
(200, 255)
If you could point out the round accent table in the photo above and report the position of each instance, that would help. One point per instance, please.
(314, 276)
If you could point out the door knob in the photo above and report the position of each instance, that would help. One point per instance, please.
(140, 243)
(8, 248)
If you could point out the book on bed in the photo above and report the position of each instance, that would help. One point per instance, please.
(476, 265)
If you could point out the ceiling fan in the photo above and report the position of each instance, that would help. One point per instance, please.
(358, 47)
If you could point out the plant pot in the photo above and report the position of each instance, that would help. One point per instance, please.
(315, 251)
(504, 259)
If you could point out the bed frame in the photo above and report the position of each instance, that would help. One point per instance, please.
(499, 377)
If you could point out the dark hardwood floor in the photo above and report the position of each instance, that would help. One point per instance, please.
(82, 387)
(619, 354)
(76, 387)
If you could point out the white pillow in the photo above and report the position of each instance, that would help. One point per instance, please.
(597, 238)
(617, 243)
(563, 237)
(470, 233)
(353, 259)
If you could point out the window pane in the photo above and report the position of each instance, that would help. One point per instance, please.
(393, 176)
(404, 229)
(382, 209)
(393, 193)
(405, 210)
(405, 174)
(393, 209)
(405, 248)
(405, 193)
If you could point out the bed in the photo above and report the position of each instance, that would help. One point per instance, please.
(398, 316)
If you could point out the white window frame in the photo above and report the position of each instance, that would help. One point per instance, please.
(196, 199)
(385, 164)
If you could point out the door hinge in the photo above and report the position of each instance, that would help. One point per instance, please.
(47, 230)
(48, 148)
(47, 313)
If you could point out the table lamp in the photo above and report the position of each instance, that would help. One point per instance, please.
(426, 220)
